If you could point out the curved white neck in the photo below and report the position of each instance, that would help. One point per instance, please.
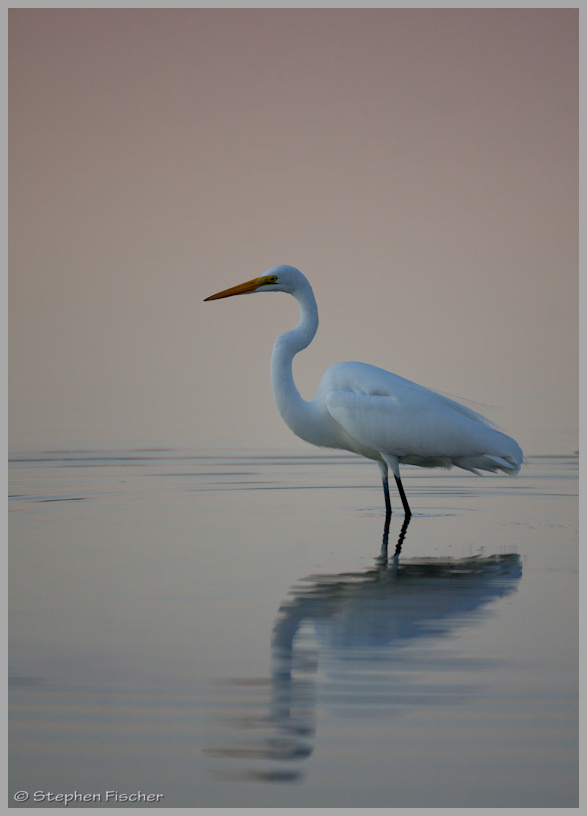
(290, 404)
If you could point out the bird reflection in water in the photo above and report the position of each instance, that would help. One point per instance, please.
(401, 537)
(362, 629)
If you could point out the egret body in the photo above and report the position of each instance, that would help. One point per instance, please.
(372, 412)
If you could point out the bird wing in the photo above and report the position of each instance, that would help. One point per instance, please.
(391, 415)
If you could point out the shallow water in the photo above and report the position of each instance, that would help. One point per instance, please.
(224, 630)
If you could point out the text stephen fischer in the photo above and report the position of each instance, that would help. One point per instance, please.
(108, 796)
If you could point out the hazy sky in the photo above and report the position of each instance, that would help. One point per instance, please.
(418, 165)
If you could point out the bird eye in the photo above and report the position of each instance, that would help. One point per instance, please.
(272, 278)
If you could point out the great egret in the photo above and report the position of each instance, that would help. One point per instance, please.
(369, 411)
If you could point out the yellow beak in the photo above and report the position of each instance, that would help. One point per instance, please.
(241, 289)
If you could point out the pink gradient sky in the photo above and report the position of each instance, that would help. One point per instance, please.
(419, 165)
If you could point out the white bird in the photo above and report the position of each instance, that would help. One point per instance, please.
(372, 412)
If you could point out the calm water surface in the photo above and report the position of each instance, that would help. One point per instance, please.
(225, 630)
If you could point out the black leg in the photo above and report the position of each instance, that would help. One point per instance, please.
(402, 494)
(387, 499)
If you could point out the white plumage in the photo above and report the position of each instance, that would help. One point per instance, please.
(369, 411)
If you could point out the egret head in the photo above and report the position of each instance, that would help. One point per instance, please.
(277, 279)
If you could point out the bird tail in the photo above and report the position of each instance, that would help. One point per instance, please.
(490, 463)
